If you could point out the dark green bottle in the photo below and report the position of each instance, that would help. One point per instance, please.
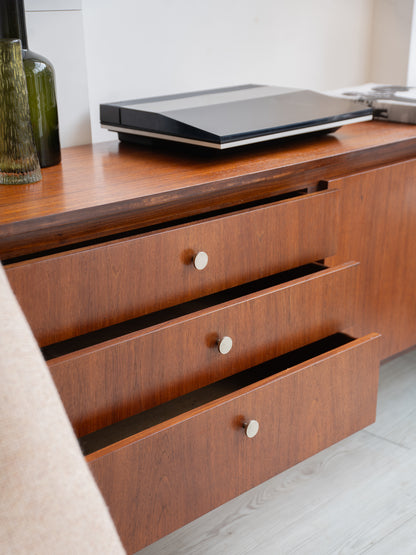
(40, 79)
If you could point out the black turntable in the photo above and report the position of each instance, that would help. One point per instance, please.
(230, 117)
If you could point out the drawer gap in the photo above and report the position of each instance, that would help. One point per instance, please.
(106, 334)
(166, 225)
(116, 432)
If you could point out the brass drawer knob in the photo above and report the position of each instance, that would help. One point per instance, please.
(200, 260)
(225, 345)
(251, 428)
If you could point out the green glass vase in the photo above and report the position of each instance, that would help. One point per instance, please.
(40, 78)
(43, 107)
(19, 163)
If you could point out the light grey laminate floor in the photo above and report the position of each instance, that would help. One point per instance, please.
(358, 496)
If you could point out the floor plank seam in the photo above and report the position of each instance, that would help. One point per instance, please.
(388, 440)
(379, 541)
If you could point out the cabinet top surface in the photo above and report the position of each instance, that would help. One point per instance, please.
(107, 183)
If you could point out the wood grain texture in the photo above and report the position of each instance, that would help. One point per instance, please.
(111, 187)
(103, 384)
(73, 293)
(356, 497)
(378, 228)
(300, 411)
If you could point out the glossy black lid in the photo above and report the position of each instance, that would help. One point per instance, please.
(232, 114)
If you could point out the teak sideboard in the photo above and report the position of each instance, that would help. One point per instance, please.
(211, 319)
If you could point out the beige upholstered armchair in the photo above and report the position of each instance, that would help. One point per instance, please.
(49, 502)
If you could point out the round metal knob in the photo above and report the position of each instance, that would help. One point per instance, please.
(224, 345)
(251, 428)
(200, 260)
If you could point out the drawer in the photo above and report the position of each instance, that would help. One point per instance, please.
(74, 292)
(164, 468)
(106, 382)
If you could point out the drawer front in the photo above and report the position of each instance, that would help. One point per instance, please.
(106, 383)
(168, 475)
(72, 293)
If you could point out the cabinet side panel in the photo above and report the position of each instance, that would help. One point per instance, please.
(378, 228)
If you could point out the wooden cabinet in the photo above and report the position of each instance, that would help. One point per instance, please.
(166, 365)
(377, 226)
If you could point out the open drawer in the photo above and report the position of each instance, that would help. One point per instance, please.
(74, 292)
(167, 466)
(115, 377)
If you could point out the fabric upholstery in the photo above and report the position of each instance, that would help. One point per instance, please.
(49, 502)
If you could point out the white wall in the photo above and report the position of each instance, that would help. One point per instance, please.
(411, 69)
(55, 30)
(108, 50)
(391, 49)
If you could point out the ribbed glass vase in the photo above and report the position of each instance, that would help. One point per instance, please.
(19, 163)
(40, 78)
